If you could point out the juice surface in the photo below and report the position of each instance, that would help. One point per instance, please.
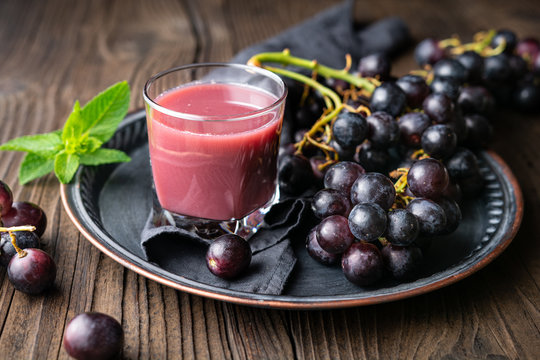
(217, 170)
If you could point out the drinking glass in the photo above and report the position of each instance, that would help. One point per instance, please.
(213, 134)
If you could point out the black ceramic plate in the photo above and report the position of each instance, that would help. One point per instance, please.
(110, 209)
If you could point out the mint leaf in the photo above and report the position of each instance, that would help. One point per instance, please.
(73, 128)
(104, 156)
(65, 166)
(45, 145)
(102, 115)
(34, 166)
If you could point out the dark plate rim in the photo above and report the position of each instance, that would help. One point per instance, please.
(70, 194)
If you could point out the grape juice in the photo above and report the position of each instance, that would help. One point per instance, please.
(220, 161)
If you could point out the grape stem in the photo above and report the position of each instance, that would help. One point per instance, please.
(20, 252)
(17, 228)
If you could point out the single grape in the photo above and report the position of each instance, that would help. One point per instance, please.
(452, 212)
(508, 37)
(476, 100)
(453, 191)
(479, 131)
(439, 141)
(367, 221)
(473, 63)
(427, 178)
(431, 216)
(402, 227)
(374, 65)
(342, 175)
(327, 202)
(527, 96)
(411, 126)
(528, 48)
(383, 129)
(345, 154)
(228, 256)
(404, 263)
(350, 129)
(458, 126)
(428, 51)
(295, 174)
(415, 89)
(439, 107)
(518, 66)
(334, 235)
(447, 86)
(93, 335)
(33, 273)
(388, 97)
(497, 69)
(318, 174)
(6, 198)
(317, 252)
(362, 264)
(374, 188)
(24, 240)
(26, 213)
(450, 68)
(462, 164)
(372, 158)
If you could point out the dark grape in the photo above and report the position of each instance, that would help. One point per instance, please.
(428, 51)
(294, 174)
(26, 213)
(431, 216)
(439, 107)
(383, 129)
(518, 66)
(6, 198)
(93, 335)
(476, 100)
(33, 273)
(24, 240)
(342, 175)
(508, 37)
(372, 158)
(497, 69)
(350, 129)
(402, 227)
(415, 89)
(334, 235)
(318, 174)
(362, 264)
(411, 126)
(388, 97)
(374, 65)
(450, 68)
(458, 126)
(228, 256)
(439, 141)
(345, 154)
(473, 63)
(317, 252)
(403, 263)
(427, 178)
(447, 86)
(453, 191)
(327, 202)
(367, 221)
(479, 131)
(452, 212)
(527, 96)
(374, 188)
(462, 164)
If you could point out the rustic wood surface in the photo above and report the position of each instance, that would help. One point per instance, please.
(53, 52)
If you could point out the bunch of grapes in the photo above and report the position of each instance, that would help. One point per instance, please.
(395, 163)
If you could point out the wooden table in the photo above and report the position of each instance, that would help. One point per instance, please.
(53, 52)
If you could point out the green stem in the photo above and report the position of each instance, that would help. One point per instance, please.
(285, 58)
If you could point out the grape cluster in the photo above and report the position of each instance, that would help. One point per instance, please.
(31, 270)
(391, 169)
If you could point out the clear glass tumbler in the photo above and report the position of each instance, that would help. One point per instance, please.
(213, 134)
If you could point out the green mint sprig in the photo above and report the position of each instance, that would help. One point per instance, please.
(79, 142)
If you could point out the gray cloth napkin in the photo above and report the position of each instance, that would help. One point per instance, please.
(327, 37)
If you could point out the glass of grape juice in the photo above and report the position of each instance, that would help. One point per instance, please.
(213, 135)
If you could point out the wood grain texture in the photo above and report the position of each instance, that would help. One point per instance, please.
(53, 52)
